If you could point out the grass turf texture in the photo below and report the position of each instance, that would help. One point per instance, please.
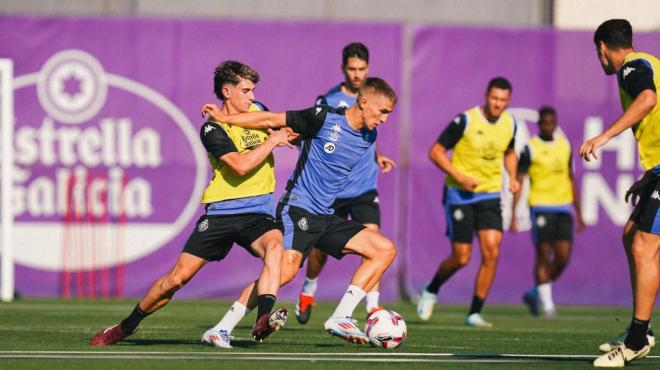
(55, 333)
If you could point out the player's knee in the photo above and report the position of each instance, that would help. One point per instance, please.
(174, 282)
(274, 251)
(386, 250)
(462, 258)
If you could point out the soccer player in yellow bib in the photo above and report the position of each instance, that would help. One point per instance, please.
(481, 139)
(638, 76)
(239, 209)
(547, 161)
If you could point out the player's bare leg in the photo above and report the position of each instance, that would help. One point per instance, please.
(315, 262)
(489, 241)
(378, 253)
(373, 295)
(158, 295)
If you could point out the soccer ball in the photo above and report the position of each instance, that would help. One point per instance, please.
(386, 329)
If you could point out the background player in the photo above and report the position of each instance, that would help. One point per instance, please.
(548, 162)
(333, 142)
(239, 206)
(638, 78)
(480, 138)
(359, 195)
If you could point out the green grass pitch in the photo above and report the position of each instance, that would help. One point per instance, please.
(54, 334)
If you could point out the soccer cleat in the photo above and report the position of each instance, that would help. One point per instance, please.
(304, 306)
(620, 356)
(109, 336)
(616, 342)
(476, 320)
(345, 328)
(217, 338)
(531, 299)
(269, 323)
(425, 304)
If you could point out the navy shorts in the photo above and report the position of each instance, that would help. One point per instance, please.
(548, 227)
(363, 208)
(463, 220)
(647, 211)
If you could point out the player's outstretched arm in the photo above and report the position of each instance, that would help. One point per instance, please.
(252, 120)
(438, 155)
(243, 163)
(640, 107)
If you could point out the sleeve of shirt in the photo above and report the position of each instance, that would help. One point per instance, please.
(453, 132)
(524, 161)
(321, 100)
(637, 76)
(512, 143)
(215, 140)
(307, 122)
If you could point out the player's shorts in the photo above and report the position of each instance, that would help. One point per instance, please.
(548, 227)
(303, 230)
(214, 235)
(647, 211)
(363, 208)
(463, 220)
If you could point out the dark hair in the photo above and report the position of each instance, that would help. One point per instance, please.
(546, 109)
(500, 83)
(231, 72)
(355, 49)
(378, 86)
(615, 33)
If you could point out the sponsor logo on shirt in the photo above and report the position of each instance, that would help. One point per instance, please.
(329, 148)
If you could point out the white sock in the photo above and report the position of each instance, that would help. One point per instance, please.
(545, 296)
(309, 286)
(236, 312)
(349, 301)
(372, 300)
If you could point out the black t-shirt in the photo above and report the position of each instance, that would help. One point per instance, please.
(308, 122)
(635, 77)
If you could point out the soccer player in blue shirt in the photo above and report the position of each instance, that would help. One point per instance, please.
(358, 197)
(334, 142)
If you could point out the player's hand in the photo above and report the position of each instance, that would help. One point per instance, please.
(468, 183)
(280, 137)
(386, 164)
(212, 111)
(514, 186)
(588, 149)
(636, 189)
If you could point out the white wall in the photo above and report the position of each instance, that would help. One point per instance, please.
(644, 15)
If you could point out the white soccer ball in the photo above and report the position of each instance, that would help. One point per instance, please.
(386, 329)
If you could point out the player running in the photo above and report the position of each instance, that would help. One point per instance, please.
(481, 138)
(548, 162)
(358, 196)
(639, 80)
(239, 208)
(334, 141)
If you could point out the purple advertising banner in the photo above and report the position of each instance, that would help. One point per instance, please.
(110, 170)
(451, 68)
(109, 166)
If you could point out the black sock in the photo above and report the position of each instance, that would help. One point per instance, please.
(435, 284)
(265, 302)
(636, 338)
(477, 305)
(130, 323)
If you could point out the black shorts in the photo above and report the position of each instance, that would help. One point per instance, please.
(303, 230)
(548, 227)
(363, 208)
(214, 235)
(465, 219)
(647, 211)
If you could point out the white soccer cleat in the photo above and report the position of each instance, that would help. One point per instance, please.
(346, 328)
(609, 346)
(217, 338)
(425, 304)
(620, 356)
(476, 320)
